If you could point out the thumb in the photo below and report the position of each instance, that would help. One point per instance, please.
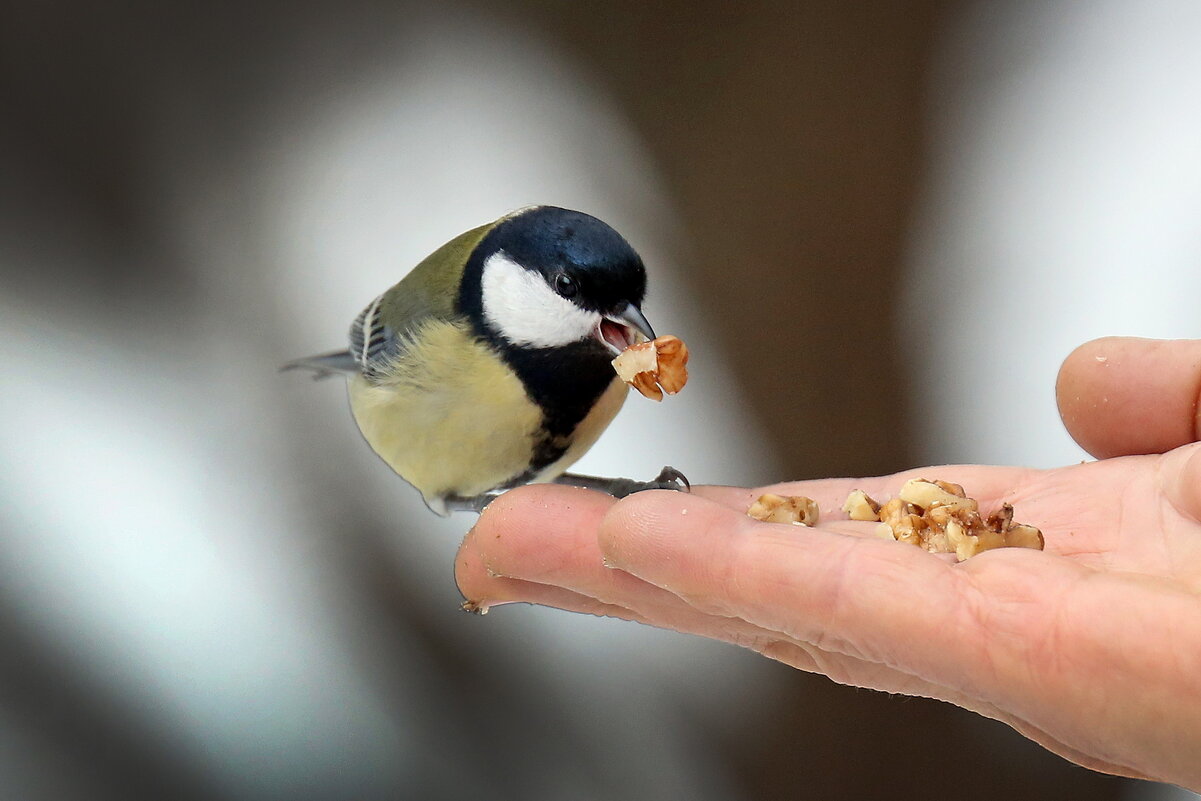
(1121, 395)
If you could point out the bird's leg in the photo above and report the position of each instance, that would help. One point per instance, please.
(668, 478)
(474, 503)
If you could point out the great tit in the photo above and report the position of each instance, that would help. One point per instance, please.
(489, 365)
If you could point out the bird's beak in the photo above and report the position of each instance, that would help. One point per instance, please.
(620, 328)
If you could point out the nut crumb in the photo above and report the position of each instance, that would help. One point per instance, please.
(860, 507)
(795, 509)
(939, 517)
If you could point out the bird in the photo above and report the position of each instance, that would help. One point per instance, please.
(488, 366)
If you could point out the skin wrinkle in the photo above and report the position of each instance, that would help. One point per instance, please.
(1071, 754)
(1181, 661)
(1046, 652)
(1171, 489)
(1122, 654)
(974, 603)
(1170, 552)
(1123, 505)
(1196, 395)
(1170, 548)
(727, 576)
(670, 597)
(918, 688)
(805, 644)
(948, 576)
(822, 636)
(833, 600)
(651, 521)
(789, 653)
(1050, 681)
(1050, 677)
(1120, 658)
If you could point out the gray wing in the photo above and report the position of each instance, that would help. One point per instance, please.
(325, 364)
(373, 344)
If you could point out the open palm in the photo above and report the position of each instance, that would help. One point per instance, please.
(1092, 648)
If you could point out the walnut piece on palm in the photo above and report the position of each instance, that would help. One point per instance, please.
(795, 509)
(935, 515)
(940, 517)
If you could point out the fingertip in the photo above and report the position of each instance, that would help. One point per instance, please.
(471, 575)
(1120, 396)
(514, 507)
(536, 506)
(539, 531)
(632, 517)
(508, 514)
(1081, 392)
(648, 528)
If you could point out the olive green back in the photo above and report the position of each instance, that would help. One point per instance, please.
(431, 289)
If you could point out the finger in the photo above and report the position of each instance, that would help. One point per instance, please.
(546, 536)
(1120, 396)
(563, 567)
(540, 545)
(482, 590)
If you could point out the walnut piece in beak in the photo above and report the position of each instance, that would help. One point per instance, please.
(654, 367)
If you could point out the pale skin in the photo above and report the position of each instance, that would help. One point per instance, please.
(1091, 648)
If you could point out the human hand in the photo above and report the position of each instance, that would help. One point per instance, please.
(1092, 647)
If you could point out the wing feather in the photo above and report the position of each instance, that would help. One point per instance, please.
(379, 335)
(373, 343)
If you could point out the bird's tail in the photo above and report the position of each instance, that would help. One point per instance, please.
(325, 364)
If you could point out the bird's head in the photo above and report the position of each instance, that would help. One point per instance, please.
(546, 277)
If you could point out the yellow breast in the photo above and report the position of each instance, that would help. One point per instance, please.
(449, 418)
(452, 419)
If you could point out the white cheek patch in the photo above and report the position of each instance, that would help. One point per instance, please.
(522, 308)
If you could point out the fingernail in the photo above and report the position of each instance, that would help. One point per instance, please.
(482, 607)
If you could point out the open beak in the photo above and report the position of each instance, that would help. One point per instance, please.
(620, 329)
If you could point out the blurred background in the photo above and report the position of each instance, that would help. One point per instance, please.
(880, 226)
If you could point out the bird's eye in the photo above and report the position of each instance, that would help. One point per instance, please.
(565, 285)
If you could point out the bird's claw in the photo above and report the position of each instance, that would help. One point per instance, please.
(671, 479)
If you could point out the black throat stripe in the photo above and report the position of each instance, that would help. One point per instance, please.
(564, 381)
